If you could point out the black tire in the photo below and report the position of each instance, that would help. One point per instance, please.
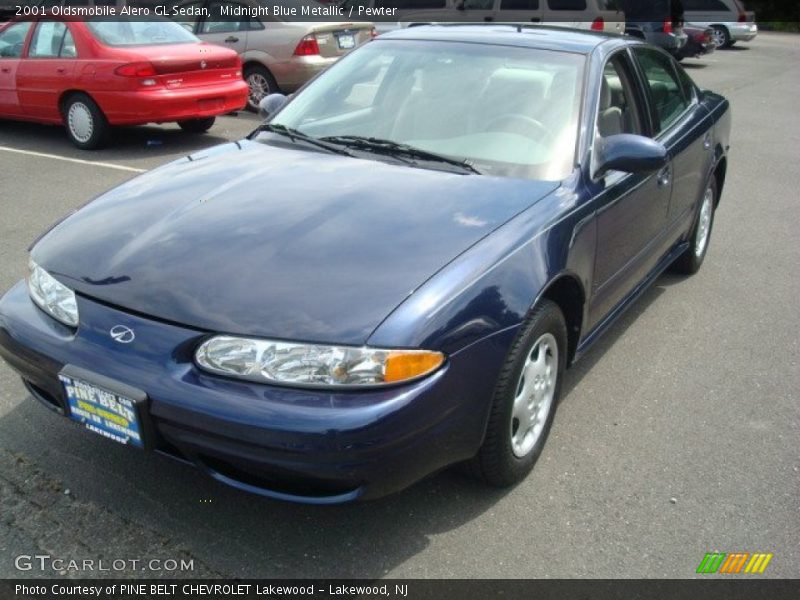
(261, 84)
(690, 261)
(496, 462)
(197, 125)
(722, 36)
(86, 125)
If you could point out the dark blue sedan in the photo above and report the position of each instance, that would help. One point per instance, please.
(390, 275)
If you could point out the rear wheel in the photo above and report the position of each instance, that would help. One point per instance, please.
(690, 261)
(261, 84)
(85, 123)
(525, 399)
(721, 36)
(197, 125)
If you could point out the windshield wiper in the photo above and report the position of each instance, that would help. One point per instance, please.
(296, 134)
(391, 148)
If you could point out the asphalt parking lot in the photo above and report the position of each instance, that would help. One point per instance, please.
(679, 433)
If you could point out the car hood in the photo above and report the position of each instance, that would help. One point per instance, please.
(250, 238)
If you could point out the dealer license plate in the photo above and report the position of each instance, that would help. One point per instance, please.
(103, 411)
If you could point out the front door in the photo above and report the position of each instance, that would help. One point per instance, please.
(632, 209)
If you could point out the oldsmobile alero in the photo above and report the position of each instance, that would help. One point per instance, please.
(390, 275)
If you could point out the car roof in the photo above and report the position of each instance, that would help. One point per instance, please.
(525, 36)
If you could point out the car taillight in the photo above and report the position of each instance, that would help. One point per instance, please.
(137, 69)
(373, 33)
(308, 46)
(598, 24)
(667, 26)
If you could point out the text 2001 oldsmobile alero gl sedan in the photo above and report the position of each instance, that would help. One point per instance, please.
(389, 276)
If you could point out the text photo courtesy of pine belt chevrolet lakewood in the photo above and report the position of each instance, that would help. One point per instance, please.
(390, 275)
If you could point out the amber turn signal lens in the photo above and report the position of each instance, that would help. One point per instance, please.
(401, 366)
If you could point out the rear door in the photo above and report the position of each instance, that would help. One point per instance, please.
(520, 11)
(568, 13)
(12, 43)
(227, 25)
(47, 70)
(476, 11)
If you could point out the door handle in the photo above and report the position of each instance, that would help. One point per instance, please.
(707, 141)
(231, 39)
(61, 70)
(664, 176)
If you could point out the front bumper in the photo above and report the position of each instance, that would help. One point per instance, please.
(307, 446)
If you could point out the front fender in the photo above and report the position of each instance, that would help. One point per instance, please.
(493, 285)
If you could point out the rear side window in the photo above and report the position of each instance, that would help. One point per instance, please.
(12, 40)
(52, 39)
(519, 5)
(667, 94)
(410, 4)
(139, 33)
(705, 5)
(567, 4)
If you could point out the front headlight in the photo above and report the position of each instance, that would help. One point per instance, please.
(313, 365)
(52, 296)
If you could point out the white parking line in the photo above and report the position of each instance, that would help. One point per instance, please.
(74, 160)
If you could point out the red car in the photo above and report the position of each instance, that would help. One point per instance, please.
(90, 75)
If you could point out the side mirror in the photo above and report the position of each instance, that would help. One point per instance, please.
(630, 154)
(271, 104)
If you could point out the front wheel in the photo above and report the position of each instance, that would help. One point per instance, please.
(690, 261)
(525, 399)
(85, 123)
(197, 125)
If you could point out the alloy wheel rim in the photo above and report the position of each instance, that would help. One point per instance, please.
(704, 223)
(80, 121)
(718, 37)
(534, 395)
(259, 88)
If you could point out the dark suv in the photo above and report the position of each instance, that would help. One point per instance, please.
(660, 22)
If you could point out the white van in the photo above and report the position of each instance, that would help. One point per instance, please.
(598, 15)
(728, 18)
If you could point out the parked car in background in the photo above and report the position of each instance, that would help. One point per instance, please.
(91, 75)
(7, 11)
(276, 55)
(700, 41)
(659, 22)
(728, 18)
(374, 286)
(595, 15)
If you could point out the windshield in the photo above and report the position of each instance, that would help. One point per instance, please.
(139, 33)
(505, 111)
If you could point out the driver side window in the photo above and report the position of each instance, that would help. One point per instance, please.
(618, 111)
